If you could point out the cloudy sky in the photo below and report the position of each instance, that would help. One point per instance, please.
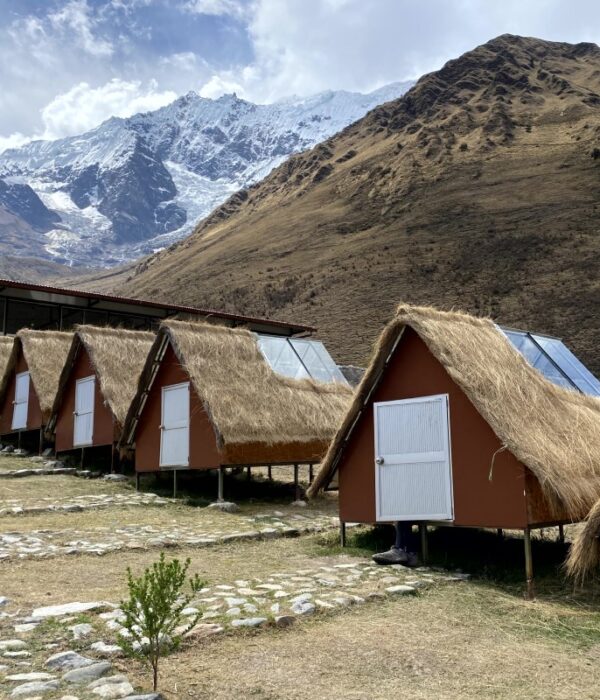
(66, 65)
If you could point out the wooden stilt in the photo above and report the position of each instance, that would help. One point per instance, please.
(19, 440)
(424, 543)
(112, 459)
(342, 533)
(561, 534)
(270, 473)
(174, 483)
(220, 486)
(528, 564)
(500, 533)
(137, 481)
(81, 460)
(248, 473)
(311, 474)
(41, 445)
(296, 482)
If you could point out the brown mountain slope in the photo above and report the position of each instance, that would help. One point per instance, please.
(478, 189)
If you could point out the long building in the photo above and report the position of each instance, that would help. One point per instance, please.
(43, 307)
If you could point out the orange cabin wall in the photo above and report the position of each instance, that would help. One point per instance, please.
(104, 427)
(204, 453)
(413, 371)
(34, 411)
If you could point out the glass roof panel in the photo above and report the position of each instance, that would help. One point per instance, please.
(317, 360)
(577, 372)
(554, 360)
(300, 358)
(281, 357)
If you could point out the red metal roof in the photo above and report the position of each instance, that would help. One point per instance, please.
(294, 327)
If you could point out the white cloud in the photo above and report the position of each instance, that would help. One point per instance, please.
(75, 17)
(233, 8)
(186, 61)
(84, 107)
(13, 141)
(305, 46)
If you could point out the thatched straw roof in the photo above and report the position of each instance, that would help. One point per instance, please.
(117, 356)
(552, 431)
(584, 553)
(245, 400)
(45, 353)
(6, 344)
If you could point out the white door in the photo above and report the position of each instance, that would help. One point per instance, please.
(83, 423)
(21, 402)
(413, 471)
(175, 426)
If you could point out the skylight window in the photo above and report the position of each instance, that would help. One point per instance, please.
(300, 358)
(554, 360)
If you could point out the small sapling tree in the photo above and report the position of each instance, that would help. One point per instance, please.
(153, 614)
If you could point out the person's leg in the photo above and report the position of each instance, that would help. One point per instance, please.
(403, 535)
(396, 554)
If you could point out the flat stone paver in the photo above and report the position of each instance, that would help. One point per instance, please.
(209, 531)
(76, 504)
(282, 600)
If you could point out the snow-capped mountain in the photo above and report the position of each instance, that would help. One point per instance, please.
(132, 186)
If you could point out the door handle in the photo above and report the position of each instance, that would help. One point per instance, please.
(379, 460)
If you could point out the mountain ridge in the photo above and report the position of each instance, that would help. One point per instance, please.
(133, 185)
(477, 189)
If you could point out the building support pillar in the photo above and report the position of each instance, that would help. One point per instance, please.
(528, 564)
(561, 534)
(311, 473)
(424, 543)
(342, 533)
(137, 481)
(174, 483)
(296, 483)
(270, 473)
(221, 473)
(41, 444)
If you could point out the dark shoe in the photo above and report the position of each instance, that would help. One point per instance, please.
(411, 559)
(392, 556)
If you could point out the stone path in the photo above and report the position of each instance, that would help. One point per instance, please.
(209, 531)
(76, 654)
(76, 504)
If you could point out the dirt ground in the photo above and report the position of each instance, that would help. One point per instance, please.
(475, 639)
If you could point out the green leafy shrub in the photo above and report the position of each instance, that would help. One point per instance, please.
(153, 613)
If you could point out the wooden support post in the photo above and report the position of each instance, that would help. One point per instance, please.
(311, 474)
(220, 486)
(112, 459)
(342, 533)
(270, 472)
(528, 563)
(81, 460)
(5, 318)
(137, 481)
(296, 483)
(500, 533)
(19, 440)
(41, 445)
(248, 473)
(424, 543)
(174, 483)
(561, 534)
